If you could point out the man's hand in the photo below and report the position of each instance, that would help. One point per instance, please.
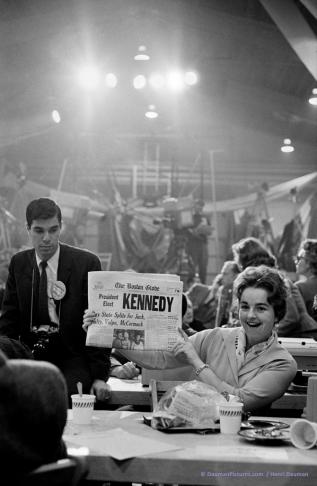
(88, 319)
(127, 371)
(101, 389)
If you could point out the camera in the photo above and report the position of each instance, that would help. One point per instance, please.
(178, 212)
(41, 343)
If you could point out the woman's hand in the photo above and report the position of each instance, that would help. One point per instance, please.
(185, 350)
(88, 319)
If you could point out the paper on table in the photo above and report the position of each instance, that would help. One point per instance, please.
(120, 444)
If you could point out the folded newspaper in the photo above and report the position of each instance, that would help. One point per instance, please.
(134, 310)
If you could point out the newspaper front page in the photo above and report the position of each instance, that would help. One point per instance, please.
(134, 310)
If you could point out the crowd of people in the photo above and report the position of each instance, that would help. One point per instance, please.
(214, 305)
(229, 335)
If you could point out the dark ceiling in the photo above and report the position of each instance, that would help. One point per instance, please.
(252, 92)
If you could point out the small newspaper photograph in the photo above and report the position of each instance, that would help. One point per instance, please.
(134, 310)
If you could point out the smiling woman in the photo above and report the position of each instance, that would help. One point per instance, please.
(262, 302)
(246, 361)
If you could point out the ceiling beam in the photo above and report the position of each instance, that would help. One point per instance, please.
(296, 31)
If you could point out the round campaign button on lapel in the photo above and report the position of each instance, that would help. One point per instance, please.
(58, 290)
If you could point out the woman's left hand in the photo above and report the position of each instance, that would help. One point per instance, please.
(185, 350)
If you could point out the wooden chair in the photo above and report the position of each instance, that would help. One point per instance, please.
(158, 388)
(65, 472)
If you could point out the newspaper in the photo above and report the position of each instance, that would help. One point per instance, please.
(134, 310)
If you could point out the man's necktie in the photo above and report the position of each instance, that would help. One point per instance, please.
(44, 318)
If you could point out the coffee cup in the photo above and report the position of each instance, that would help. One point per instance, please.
(230, 417)
(82, 406)
(303, 434)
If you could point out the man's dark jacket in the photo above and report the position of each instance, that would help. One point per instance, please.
(19, 307)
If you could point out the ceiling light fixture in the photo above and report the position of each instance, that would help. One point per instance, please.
(142, 54)
(56, 116)
(191, 78)
(313, 99)
(151, 113)
(175, 81)
(139, 82)
(287, 147)
(111, 80)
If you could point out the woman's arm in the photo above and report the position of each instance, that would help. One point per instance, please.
(268, 385)
(151, 359)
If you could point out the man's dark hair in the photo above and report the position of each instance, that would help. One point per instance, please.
(42, 208)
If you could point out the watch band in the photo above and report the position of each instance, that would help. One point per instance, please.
(200, 369)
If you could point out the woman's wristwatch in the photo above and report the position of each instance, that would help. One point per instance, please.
(200, 369)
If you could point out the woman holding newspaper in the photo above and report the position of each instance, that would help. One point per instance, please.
(246, 361)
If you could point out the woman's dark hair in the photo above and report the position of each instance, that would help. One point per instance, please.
(42, 208)
(266, 278)
(310, 247)
(250, 252)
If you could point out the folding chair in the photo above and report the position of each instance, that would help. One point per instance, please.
(65, 472)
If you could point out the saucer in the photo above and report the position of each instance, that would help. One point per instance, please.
(266, 435)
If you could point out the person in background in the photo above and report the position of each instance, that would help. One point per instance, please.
(212, 303)
(204, 302)
(198, 239)
(229, 272)
(306, 266)
(296, 322)
(245, 361)
(188, 315)
(51, 326)
(33, 412)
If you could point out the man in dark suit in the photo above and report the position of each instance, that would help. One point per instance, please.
(54, 334)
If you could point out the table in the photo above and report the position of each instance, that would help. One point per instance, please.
(132, 392)
(211, 459)
(129, 392)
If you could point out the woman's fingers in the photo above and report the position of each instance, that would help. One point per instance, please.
(182, 334)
